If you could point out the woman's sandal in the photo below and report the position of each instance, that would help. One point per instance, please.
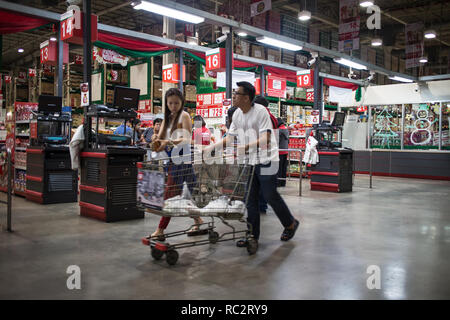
(288, 234)
(158, 237)
(196, 231)
(242, 243)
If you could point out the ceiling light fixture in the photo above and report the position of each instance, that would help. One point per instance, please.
(377, 42)
(401, 79)
(351, 64)
(168, 12)
(53, 39)
(242, 34)
(430, 34)
(305, 15)
(423, 59)
(365, 3)
(20, 50)
(278, 43)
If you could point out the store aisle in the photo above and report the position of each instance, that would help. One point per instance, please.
(401, 225)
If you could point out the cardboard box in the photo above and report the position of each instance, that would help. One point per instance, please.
(75, 100)
(157, 89)
(190, 93)
(274, 22)
(259, 21)
(301, 60)
(157, 109)
(243, 48)
(300, 93)
(47, 87)
(22, 93)
(109, 96)
(258, 52)
(124, 76)
(273, 55)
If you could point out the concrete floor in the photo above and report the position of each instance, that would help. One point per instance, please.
(401, 225)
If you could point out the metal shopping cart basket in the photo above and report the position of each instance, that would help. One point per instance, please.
(194, 188)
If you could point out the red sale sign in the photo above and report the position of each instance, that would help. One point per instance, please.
(216, 60)
(361, 109)
(49, 52)
(72, 27)
(171, 73)
(305, 79)
(310, 96)
(276, 87)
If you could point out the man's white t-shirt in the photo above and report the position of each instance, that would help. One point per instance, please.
(248, 127)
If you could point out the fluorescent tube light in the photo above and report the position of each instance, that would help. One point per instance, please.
(278, 43)
(168, 12)
(365, 3)
(423, 59)
(351, 64)
(305, 15)
(242, 34)
(53, 39)
(20, 50)
(401, 79)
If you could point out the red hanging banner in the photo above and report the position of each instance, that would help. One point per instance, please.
(49, 52)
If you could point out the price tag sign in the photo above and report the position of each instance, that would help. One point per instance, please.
(315, 117)
(310, 96)
(276, 87)
(361, 109)
(305, 79)
(67, 25)
(216, 60)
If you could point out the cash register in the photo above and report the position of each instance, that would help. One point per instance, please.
(50, 178)
(334, 171)
(109, 162)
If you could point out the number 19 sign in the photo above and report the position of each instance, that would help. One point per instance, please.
(305, 79)
(216, 60)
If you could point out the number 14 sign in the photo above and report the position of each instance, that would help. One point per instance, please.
(67, 25)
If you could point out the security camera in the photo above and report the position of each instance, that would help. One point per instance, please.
(221, 38)
(416, 87)
(311, 62)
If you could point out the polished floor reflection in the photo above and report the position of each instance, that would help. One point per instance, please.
(401, 226)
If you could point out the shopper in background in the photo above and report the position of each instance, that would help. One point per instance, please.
(263, 101)
(150, 134)
(229, 119)
(175, 118)
(126, 130)
(201, 134)
(253, 116)
(283, 144)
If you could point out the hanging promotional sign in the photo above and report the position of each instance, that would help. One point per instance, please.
(109, 56)
(32, 73)
(78, 59)
(49, 52)
(314, 117)
(414, 44)
(7, 79)
(361, 109)
(171, 73)
(72, 27)
(276, 86)
(257, 86)
(349, 25)
(260, 6)
(216, 60)
(305, 79)
(84, 94)
(66, 26)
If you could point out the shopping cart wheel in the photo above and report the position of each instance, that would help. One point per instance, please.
(252, 246)
(171, 257)
(213, 236)
(157, 254)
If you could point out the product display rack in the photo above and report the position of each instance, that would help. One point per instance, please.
(22, 115)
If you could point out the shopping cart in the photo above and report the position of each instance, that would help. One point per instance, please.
(217, 191)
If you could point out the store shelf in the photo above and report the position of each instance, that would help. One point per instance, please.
(21, 149)
(20, 168)
(297, 136)
(26, 135)
(23, 122)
